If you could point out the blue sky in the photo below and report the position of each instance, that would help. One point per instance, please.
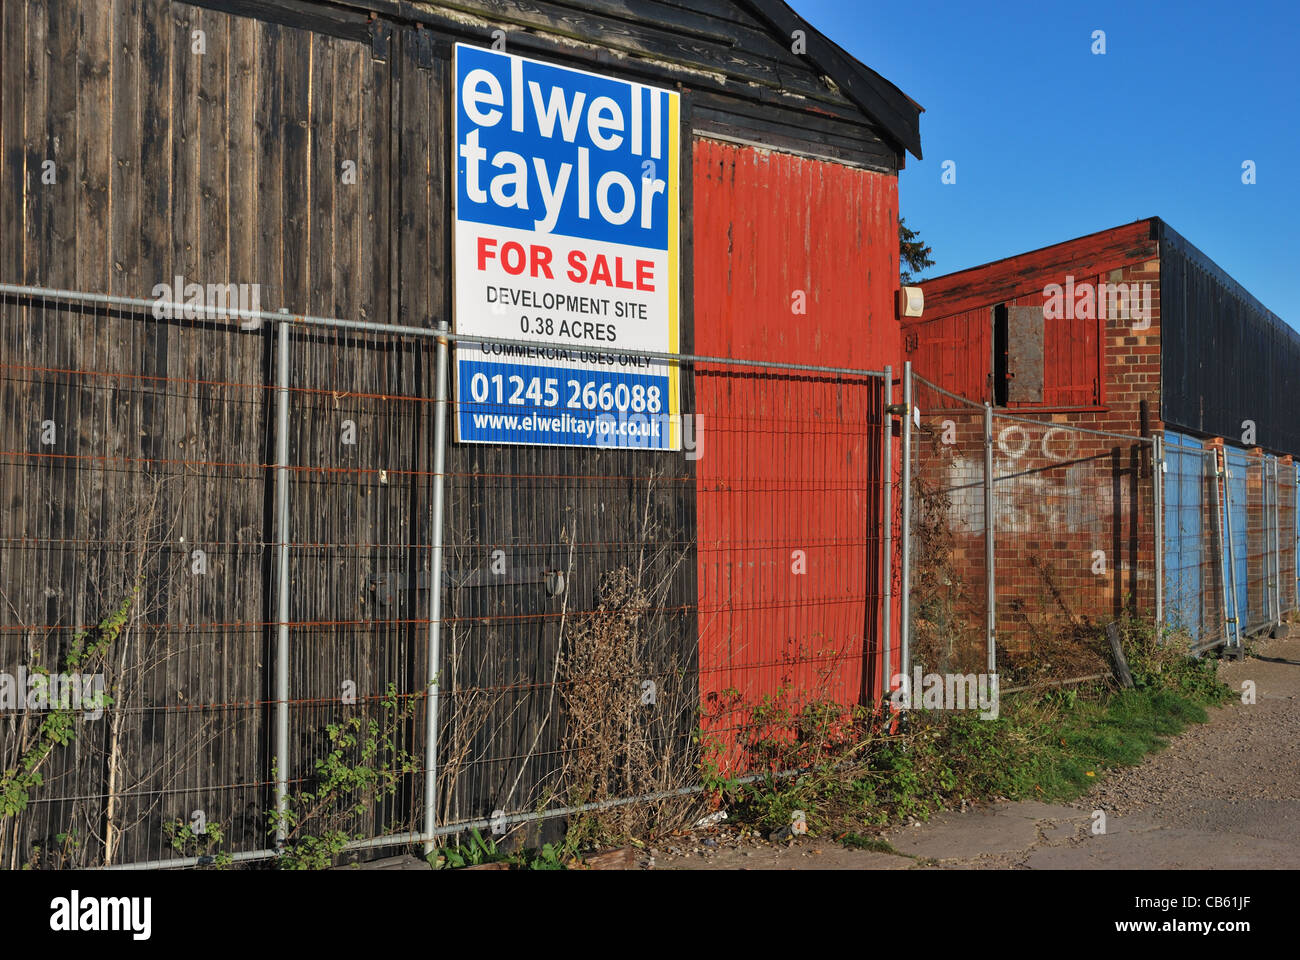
(1052, 142)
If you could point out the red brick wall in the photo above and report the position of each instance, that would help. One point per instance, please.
(1062, 495)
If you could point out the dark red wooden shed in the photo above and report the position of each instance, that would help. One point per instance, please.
(1133, 331)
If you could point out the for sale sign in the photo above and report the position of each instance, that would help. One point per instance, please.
(567, 215)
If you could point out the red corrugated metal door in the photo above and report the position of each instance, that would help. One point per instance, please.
(796, 260)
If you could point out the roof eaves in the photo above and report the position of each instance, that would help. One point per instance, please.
(895, 111)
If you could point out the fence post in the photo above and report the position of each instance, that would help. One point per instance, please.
(990, 584)
(1232, 557)
(905, 628)
(282, 598)
(1219, 513)
(1277, 542)
(435, 593)
(1158, 499)
(887, 538)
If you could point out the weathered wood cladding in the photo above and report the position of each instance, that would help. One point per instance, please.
(1028, 273)
(735, 58)
(1225, 358)
(953, 344)
(216, 168)
(225, 167)
(793, 465)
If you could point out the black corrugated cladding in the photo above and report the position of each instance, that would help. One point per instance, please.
(1225, 357)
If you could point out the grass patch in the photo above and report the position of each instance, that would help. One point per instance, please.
(867, 769)
(858, 841)
(1091, 737)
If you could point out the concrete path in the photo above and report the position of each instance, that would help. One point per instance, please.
(1225, 794)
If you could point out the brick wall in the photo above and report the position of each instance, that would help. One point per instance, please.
(1074, 512)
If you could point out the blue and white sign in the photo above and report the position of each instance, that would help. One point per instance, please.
(566, 235)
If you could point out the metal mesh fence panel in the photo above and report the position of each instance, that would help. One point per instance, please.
(1287, 519)
(1075, 540)
(1073, 523)
(358, 537)
(732, 587)
(1235, 464)
(1262, 544)
(1193, 548)
(134, 480)
(949, 576)
(611, 617)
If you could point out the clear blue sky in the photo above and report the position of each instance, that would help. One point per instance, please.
(1052, 142)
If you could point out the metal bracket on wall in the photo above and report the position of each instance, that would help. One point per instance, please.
(423, 47)
(381, 36)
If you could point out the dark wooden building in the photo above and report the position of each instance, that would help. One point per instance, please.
(306, 148)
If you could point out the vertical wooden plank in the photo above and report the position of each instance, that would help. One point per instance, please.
(268, 132)
(64, 595)
(244, 401)
(295, 77)
(420, 130)
(187, 197)
(155, 145)
(13, 393)
(58, 268)
(124, 230)
(374, 184)
(296, 50)
(95, 121)
(13, 168)
(89, 347)
(177, 426)
(60, 64)
(241, 145)
(212, 203)
(39, 197)
(215, 661)
(60, 254)
(348, 279)
(270, 244)
(150, 344)
(323, 177)
(421, 195)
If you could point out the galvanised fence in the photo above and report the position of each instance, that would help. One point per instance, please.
(1230, 539)
(255, 599)
(1032, 533)
(1028, 535)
